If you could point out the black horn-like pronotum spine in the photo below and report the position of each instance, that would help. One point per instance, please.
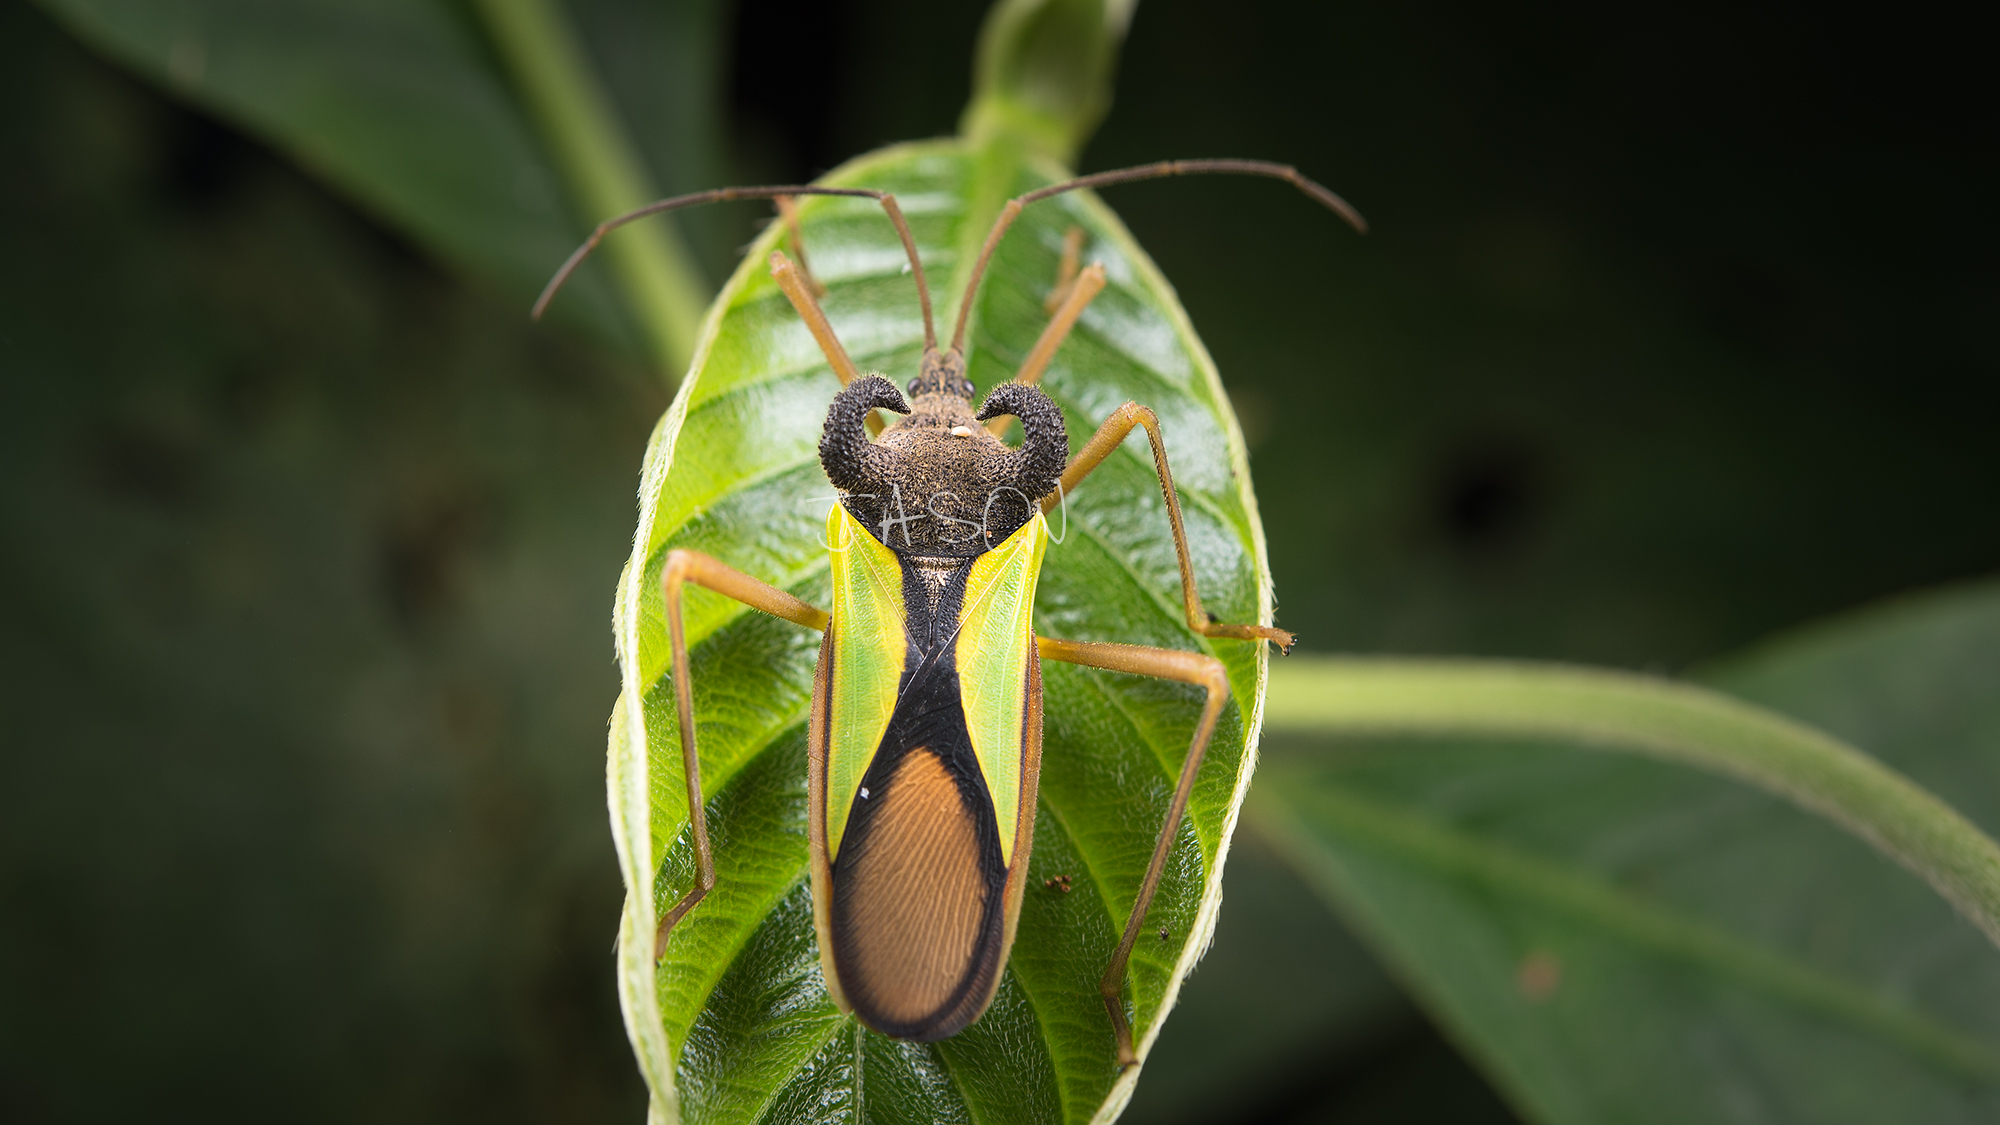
(849, 458)
(1045, 445)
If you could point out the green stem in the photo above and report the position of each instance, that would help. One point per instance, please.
(1639, 714)
(1042, 73)
(604, 172)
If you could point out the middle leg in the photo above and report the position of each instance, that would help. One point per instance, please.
(1072, 256)
(1122, 422)
(1081, 290)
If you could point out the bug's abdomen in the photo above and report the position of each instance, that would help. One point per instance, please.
(915, 913)
(921, 780)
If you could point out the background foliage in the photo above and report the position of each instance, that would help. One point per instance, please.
(1676, 329)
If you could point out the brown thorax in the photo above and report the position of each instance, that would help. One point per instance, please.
(937, 482)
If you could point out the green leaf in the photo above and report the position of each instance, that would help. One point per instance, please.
(1624, 939)
(735, 1024)
(1285, 990)
(491, 143)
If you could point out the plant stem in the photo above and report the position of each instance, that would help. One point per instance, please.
(1645, 715)
(1042, 73)
(604, 172)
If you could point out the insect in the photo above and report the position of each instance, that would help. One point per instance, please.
(925, 725)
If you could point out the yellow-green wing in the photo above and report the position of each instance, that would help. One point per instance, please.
(995, 637)
(869, 646)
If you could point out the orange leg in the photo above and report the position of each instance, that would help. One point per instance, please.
(799, 289)
(1072, 256)
(1165, 664)
(682, 567)
(1080, 291)
(788, 211)
(1107, 438)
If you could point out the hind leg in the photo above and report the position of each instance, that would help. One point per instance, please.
(1166, 664)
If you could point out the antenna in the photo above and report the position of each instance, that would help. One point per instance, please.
(1160, 170)
(725, 195)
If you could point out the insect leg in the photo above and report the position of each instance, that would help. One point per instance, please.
(1072, 255)
(724, 195)
(680, 568)
(1013, 208)
(1107, 438)
(800, 290)
(788, 213)
(1082, 289)
(1165, 664)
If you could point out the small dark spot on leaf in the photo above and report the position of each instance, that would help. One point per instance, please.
(1057, 883)
(1538, 976)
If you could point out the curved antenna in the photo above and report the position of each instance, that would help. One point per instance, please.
(1160, 170)
(725, 195)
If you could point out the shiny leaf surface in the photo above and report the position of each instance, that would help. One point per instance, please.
(735, 1023)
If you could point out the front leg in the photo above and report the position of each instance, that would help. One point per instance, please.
(1077, 292)
(788, 212)
(1107, 438)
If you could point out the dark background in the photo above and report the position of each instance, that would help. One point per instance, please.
(1677, 327)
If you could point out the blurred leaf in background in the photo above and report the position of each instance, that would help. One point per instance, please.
(1665, 339)
(1620, 939)
(1624, 939)
(467, 127)
(305, 556)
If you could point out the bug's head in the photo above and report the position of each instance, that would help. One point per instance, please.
(937, 482)
(941, 378)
